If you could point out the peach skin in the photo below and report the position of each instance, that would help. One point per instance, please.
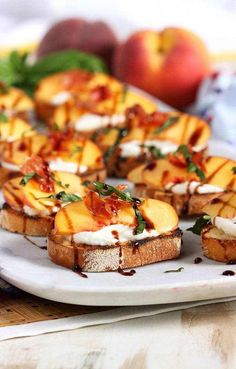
(169, 64)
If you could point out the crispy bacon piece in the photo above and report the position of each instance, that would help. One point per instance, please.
(198, 159)
(136, 116)
(104, 209)
(58, 138)
(100, 93)
(178, 160)
(39, 166)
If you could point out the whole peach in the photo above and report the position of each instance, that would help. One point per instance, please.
(75, 33)
(169, 64)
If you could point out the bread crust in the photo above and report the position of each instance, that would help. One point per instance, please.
(216, 245)
(63, 251)
(19, 222)
(187, 204)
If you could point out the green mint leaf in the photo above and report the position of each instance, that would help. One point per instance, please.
(191, 166)
(27, 178)
(16, 71)
(174, 270)
(200, 224)
(234, 170)
(167, 124)
(3, 118)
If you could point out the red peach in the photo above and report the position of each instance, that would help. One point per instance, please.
(169, 64)
(75, 33)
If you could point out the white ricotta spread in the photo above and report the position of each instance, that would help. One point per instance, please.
(192, 187)
(104, 236)
(63, 166)
(10, 166)
(135, 148)
(91, 122)
(35, 212)
(228, 226)
(60, 98)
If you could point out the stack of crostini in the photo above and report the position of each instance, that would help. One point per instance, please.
(53, 176)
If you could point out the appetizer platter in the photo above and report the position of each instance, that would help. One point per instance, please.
(111, 200)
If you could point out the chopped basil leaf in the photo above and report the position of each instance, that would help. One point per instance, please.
(27, 178)
(65, 197)
(3, 118)
(59, 183)
(122, 133)
(86, 183)
(75, 150)
(174, 270)
(167, 124)
(155, 151)
(191, 166)
(184, 150)
(200, 224)
(141, 222)
(234, 170)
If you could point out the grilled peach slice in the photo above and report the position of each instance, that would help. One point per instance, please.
(75, 218)
(37, 199)
(12, 193)
(19, 151)
(161, 172)
(224, 206)
(91, 155)
(15, 100)
(219, 172)
(15, 128)
(136, 175)
(160, 215)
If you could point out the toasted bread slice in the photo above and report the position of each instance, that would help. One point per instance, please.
(217, 245)
(64, 252)
(19, 222)
(184, 204)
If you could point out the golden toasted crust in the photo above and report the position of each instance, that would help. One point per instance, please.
(18, 222)
(107, 258)
(184, 204)
(217, 245)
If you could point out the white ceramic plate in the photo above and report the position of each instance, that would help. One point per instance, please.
(29, 268)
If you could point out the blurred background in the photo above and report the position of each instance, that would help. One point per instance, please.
(23, 23)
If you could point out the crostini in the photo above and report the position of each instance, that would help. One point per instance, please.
(185, 179)
(32, 200)
(218, 228)
(85, 101)
(110, 230)
(149, 136)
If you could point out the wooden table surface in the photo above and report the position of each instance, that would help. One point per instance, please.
(203, 337)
